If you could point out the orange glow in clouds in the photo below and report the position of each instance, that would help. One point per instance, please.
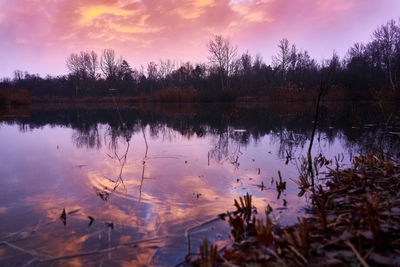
(39, 35)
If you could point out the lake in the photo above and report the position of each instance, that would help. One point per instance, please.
(132, 185)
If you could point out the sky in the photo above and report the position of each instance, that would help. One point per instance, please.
(38, 35)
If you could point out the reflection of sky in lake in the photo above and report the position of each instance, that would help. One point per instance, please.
(186, 183)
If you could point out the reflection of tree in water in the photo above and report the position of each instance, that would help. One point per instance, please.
(289, 124)
(289, 141)
(87, 138)
(113, 134)
(121, 159)
(227, 146)
(162, 131)
(373, 140)
(221, 148)
(143, 164)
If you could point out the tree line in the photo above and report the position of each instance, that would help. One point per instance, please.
(366, 71)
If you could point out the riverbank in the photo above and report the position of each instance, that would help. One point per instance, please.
(353, 220)
(286, 95)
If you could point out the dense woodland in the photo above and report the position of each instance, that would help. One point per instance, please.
(368, 71)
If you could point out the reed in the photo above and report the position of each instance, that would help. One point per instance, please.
(14, 97)
(353, 220)
(175, 95)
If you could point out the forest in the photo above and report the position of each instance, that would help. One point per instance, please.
(369, 71)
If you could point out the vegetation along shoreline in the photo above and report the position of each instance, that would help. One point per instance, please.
(353, 220)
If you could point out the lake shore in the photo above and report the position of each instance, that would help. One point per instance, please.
(352, 220)
(155, 100)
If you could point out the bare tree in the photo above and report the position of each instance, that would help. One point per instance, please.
(91, 64)
(305, 66)
(18, 75)
(357, 50)
(286, 57)
(152, 74)
(152, 70)
(109, 64)
(74, 64)
(82, 66)
(386, 39)
(166, 67)
(222, 55)
(258, 62)
(293, 57)
(334, 63)
(245, 64)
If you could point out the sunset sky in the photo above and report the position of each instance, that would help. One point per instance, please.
(38, 35)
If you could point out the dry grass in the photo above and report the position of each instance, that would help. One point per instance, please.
(353, 221)
(291, 94)
(14, 97)
(175, 95)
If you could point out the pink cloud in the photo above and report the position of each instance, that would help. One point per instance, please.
(39, 35)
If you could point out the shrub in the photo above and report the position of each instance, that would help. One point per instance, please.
(21, 97)
(3, 98)
(175, 95)
(14, 97)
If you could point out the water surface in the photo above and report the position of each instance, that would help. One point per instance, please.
(145, 185)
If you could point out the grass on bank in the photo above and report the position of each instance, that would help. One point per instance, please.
(353, 221)
(14, 97)
(189, 95)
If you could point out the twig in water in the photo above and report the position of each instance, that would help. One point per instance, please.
(63, 217)
(30, 252)
(310, 170)
(359, 257)
(102, 251)
(144, 164)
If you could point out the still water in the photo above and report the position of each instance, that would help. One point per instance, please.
(144, 185)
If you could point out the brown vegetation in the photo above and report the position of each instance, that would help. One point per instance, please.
(84, 100)
(14, 97)
(354, 220)
(175, 95)
(292, 94)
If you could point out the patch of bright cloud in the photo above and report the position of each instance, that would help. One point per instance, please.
(88, 14)
(192, 9)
